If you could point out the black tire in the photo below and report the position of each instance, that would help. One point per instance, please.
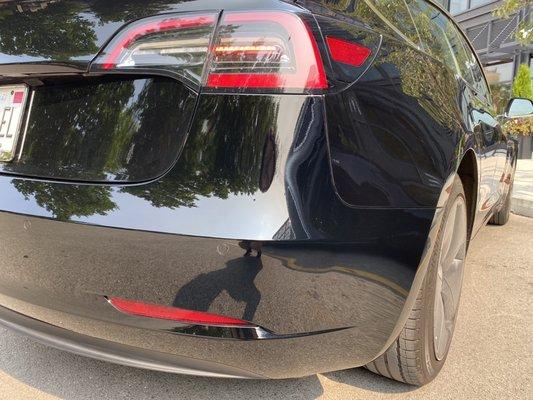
(502, 216)
(412, 357)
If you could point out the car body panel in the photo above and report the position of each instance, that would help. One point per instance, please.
(223, 197)
(340, 195)
(65, 36)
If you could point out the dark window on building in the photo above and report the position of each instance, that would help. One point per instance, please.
(458, 6)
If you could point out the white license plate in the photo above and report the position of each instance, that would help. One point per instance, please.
(12, 105)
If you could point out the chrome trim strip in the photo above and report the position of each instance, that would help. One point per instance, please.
(26, 125)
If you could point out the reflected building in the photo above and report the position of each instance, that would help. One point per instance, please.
(495, 42)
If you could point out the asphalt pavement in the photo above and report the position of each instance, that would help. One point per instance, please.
(490, 357)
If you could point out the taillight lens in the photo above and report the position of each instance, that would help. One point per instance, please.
(352, 49)
(265, 50)
(178, 43)
(345, 52)
(251, 50)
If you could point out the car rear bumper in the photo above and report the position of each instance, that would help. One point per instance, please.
(333, 286)
(328, 305)
(118, 353)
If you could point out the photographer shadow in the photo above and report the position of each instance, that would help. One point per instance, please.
(236, 278)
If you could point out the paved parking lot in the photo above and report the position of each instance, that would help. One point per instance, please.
(490, 357)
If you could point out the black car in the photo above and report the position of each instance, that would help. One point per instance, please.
(243, 188)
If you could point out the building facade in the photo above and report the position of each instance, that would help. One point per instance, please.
(495, 41)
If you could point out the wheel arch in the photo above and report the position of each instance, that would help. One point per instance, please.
(468, 172)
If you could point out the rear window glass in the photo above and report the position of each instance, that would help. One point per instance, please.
(432, 26)
(463, 58)
(442, 39)
(478, 79)
(397, 14)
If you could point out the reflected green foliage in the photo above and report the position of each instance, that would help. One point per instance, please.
(65, 202)
(421, 77)
(58, 29)
(501, 93)
(127, 10)
(55, 31)
(397, 15)
(106, 131)
(424, 78)
(72, 141)
(359, 10)
(162, 111)
(222, 155)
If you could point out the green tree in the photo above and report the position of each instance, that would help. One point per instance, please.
(57, 31)
(67, 201)
(524, 33)
(219, 157)
(128, 10)
(522, 86)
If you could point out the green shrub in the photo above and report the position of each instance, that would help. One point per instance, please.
(522, 83)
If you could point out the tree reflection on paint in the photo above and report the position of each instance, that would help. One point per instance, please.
(65, 201)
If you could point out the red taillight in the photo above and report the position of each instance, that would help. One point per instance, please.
(347, 52)
(178, 43)
(174, 314)
(132, 39)
(18, 97)
(257, 50)
(265, 50)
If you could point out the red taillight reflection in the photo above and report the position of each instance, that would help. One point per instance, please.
(174, 314)
(18, 97)
(347, 52)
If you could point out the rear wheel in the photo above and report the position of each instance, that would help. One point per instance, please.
(418, 354)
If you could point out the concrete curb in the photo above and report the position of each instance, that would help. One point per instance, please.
(522, 206)
(522, 197)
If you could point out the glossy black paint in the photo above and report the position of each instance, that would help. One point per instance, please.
(71, 32)
(292, 289)
(105, 130)
(391, 144)
(341, 194)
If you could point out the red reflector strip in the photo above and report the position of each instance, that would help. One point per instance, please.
(18, 97)
(246, 80)
(174, 314)
(347, 52)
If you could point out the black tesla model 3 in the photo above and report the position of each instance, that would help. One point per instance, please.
(243, 188)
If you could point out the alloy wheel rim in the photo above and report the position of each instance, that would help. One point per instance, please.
(449, 276)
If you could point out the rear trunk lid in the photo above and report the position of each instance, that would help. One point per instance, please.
(76, 127)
